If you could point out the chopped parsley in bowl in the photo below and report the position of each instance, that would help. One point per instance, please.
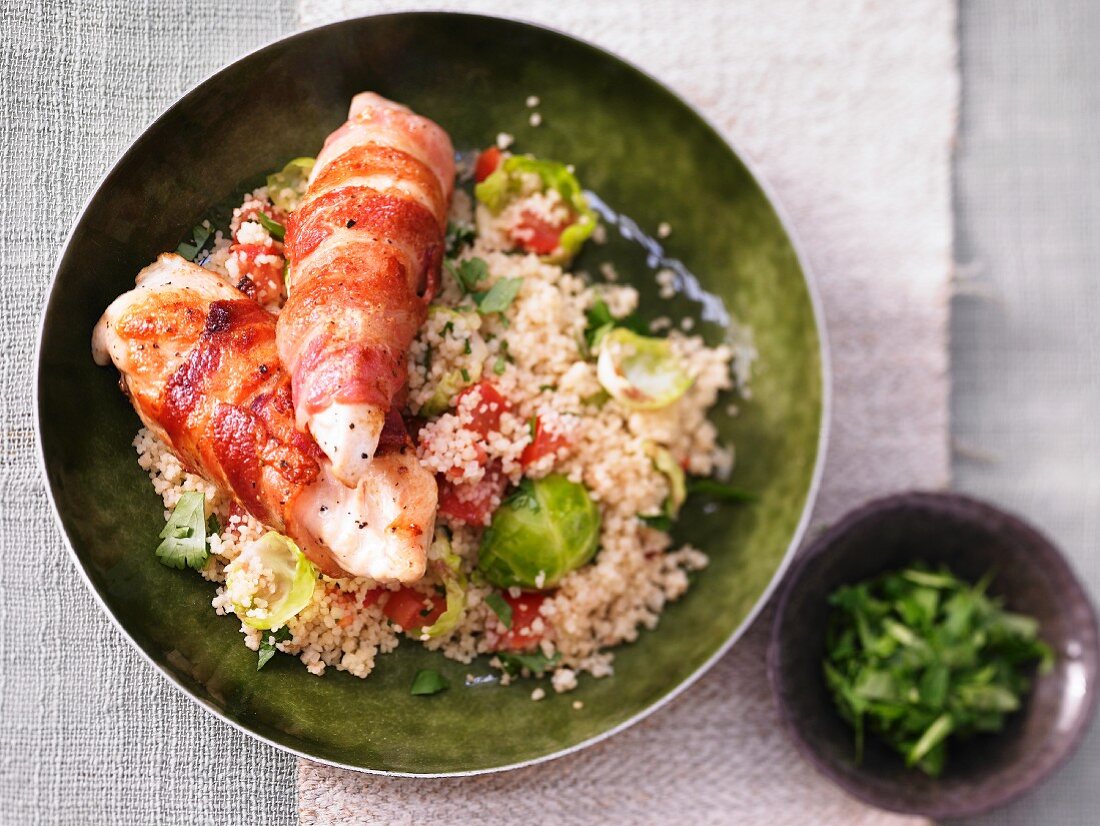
(892, 640)
(918, 657)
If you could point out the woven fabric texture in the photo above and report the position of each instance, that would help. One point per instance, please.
(1024, 335)
(848, 108)
(90, 734)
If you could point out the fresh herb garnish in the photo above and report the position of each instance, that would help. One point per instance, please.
(499, 365)
(718, 490)
(458, 236)
(917, 656)
(601, 322)
(184, 534)
(499, 297)
(199, 236)
(273, 227)
(501, 608)
(428, 681)
(658, 521)
(268, 642)
(597, 399)
(537, 663)
(468, 273)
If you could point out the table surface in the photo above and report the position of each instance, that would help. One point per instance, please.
(1023, 361)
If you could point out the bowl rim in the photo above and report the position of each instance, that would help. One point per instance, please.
(824, 425)
(941, 502)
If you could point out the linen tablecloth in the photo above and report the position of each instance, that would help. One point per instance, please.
(848, 108)
(89, 733)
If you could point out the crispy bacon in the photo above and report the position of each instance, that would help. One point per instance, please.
(200, 365)
(365, 247)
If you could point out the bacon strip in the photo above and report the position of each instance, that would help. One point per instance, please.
(200, 364)
(365, 248)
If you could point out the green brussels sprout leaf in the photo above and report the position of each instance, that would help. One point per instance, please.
(270, 582)
(449, 565)
(640, 372)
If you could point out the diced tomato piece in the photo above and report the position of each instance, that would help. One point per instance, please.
(487, 412)
(412, 609)
(473, 502)
(535, 234)
(260, 271)
(544, 443)
(487, 163)
(372, 596)
(525, 610)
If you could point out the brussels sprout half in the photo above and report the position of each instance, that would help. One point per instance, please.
(545, 529)
(271, 568)
(642, 373)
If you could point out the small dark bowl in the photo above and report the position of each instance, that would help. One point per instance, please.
(970, 537)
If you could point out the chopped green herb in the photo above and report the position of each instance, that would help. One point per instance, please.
(213, 526)
(273, 227)
(533, 427)
(546, 388)
(659, 521)
(599, 314)
(448, 328)
(467, 349)
(597, 399)
(537, 663)
(428, 681)
(718, 490)
(199, 236)
(918, 656)
(499, 365)
(465, 375)
(501, 608)
(268, 642)
(458, 236)
(499, 297)
(184, 534)
(468, 273)
(601, 322)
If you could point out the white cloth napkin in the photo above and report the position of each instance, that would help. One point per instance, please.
(848, 108)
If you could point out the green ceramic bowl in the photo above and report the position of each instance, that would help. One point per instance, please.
(648, 155)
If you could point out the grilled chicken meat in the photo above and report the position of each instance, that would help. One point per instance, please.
(199, 362)
(365, 247)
